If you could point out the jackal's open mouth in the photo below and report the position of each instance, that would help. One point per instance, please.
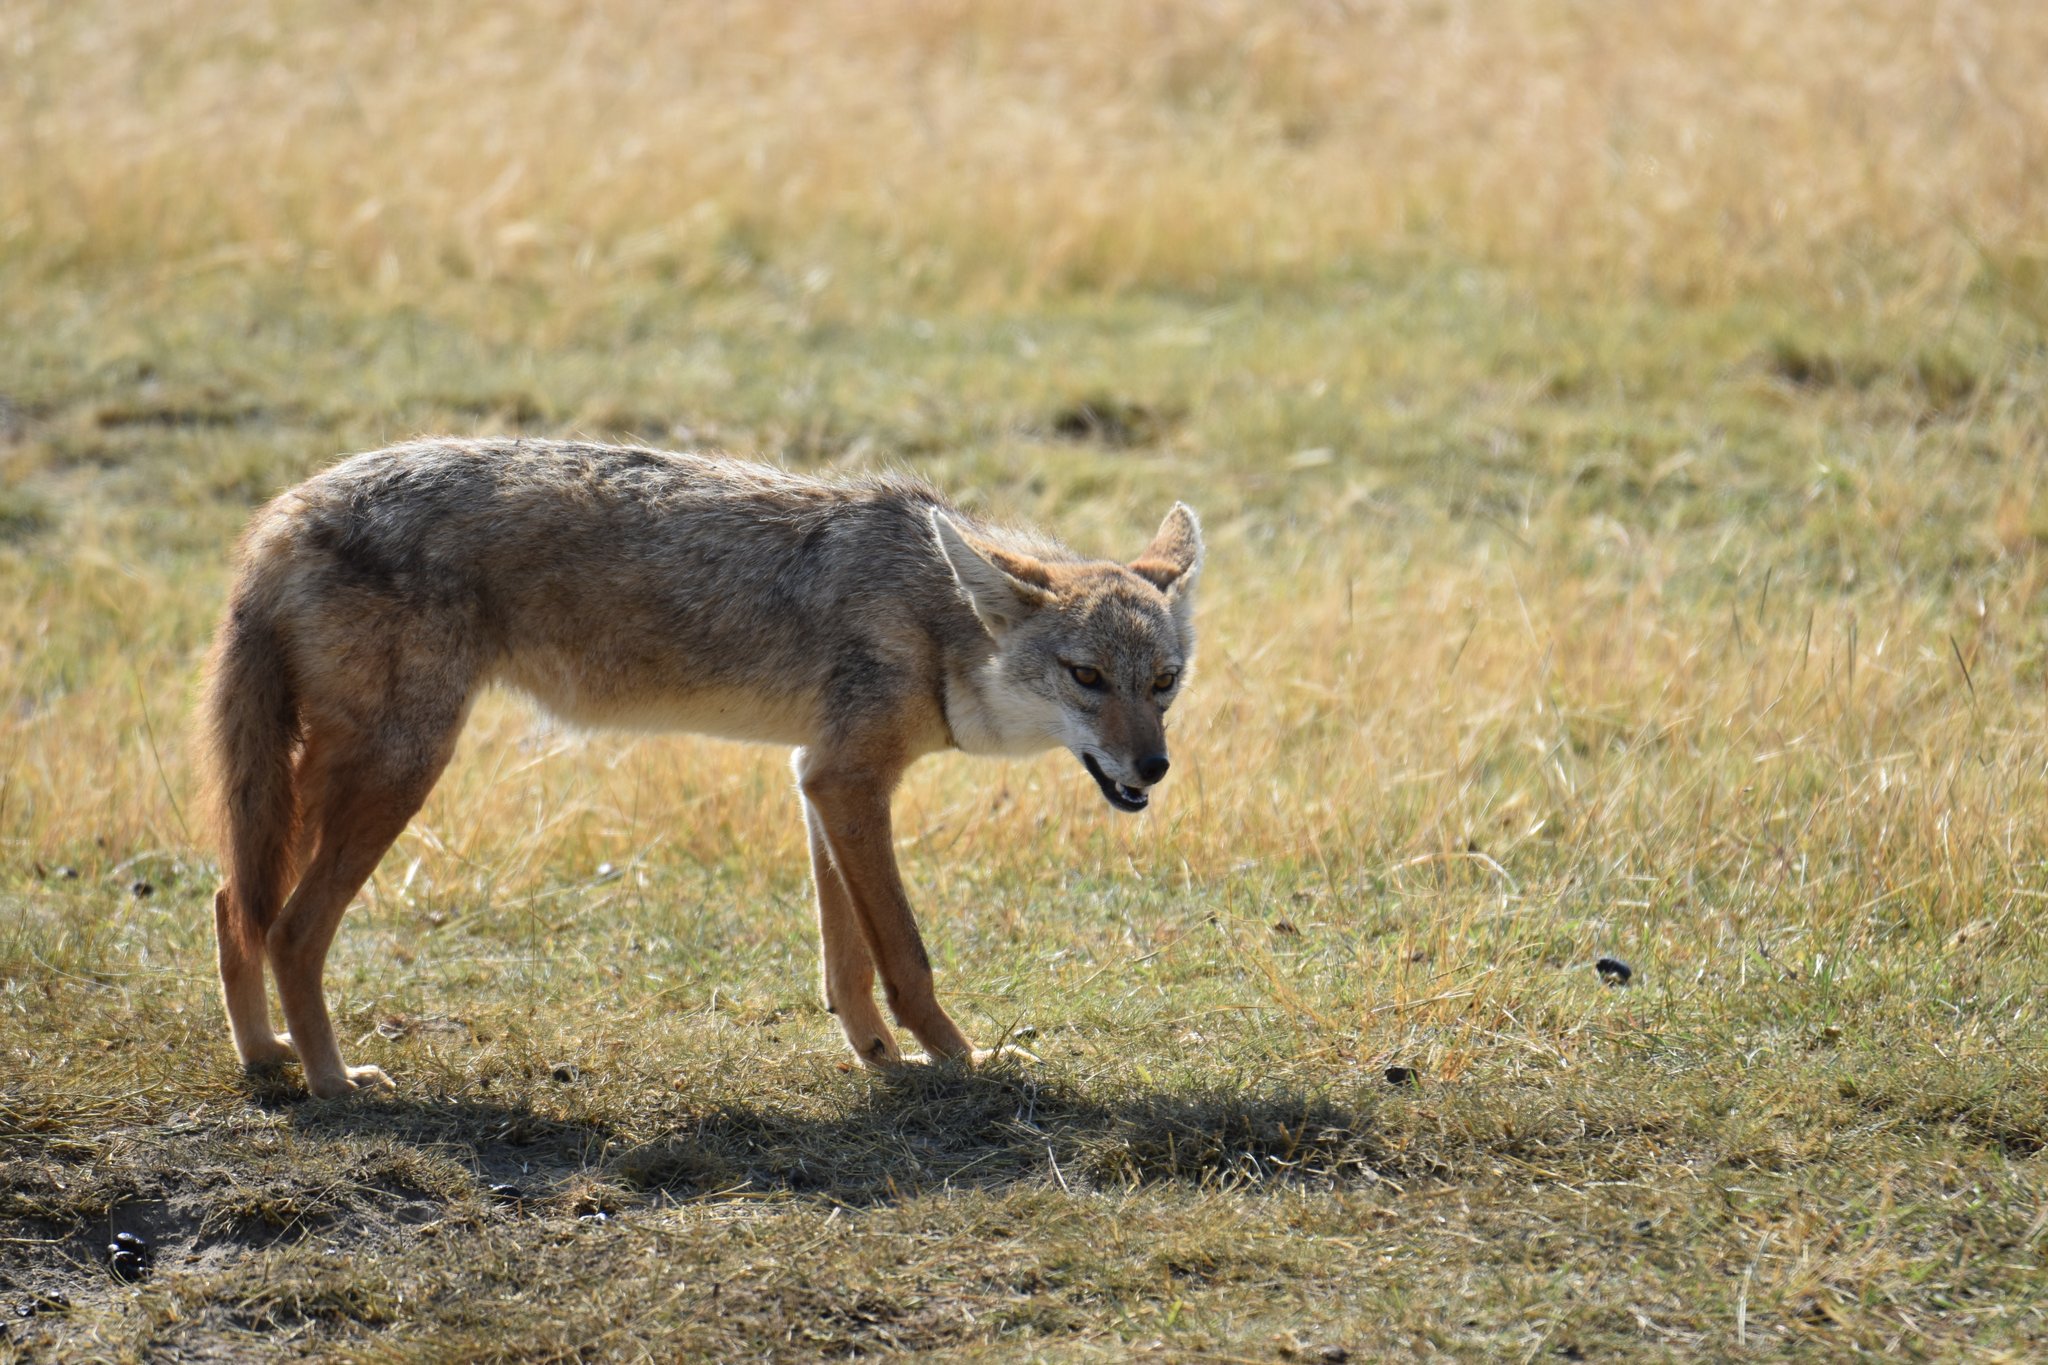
(1116, 793)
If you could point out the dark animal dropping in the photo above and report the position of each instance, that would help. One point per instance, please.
(128, 1256)
(1614, 971)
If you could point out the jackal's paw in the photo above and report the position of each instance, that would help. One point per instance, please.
(980, 1056)
(353, 1080)
(269, 1056)
(880, 1054)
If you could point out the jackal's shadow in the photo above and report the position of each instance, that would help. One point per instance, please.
(932, 1130)
(916, 1131)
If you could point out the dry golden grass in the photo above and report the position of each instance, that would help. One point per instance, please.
(1856, 145)
(1619, 434)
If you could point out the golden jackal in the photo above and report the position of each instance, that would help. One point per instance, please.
(865, 621)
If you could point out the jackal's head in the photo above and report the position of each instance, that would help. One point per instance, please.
(1088, 654)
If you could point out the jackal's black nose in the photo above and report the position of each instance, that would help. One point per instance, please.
(1151, 768)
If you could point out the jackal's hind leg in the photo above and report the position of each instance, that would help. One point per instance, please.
(240, 940)
(240, 948)
(365, 800)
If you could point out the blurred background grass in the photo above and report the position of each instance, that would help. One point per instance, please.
(949, 149)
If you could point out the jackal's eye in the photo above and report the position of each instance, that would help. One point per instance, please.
(1090, 678)
(1163, 682)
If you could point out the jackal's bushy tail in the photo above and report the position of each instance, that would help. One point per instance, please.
(250, 735)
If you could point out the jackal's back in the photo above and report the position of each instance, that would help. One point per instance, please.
(619, 585)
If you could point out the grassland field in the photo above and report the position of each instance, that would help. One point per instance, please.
(1619, 433)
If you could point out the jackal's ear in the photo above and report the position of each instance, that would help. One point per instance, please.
(1173, 560)
(1172, 563)
(1003, 586)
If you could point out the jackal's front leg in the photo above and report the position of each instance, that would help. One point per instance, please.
(850, 806)
(848, 971)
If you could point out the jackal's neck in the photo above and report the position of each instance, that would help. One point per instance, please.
(986, 717)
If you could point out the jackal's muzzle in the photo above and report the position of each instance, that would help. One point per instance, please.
(1116, 793)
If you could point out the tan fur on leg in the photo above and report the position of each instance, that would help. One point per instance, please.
(241, 979)
(852, 808)
(848, 971)
(363, 803)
